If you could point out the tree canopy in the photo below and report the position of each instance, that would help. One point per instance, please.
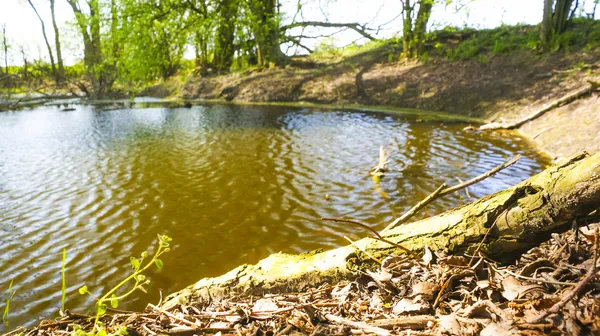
(138, 41)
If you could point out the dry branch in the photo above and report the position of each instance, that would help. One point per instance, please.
(381, 167)
(417, 322)
(358, 325)
(357, 27)
(557, 307)
(413, 211)
(374, 232)
(442, 192)
(561, 101)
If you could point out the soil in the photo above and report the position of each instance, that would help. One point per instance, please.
(491, 87)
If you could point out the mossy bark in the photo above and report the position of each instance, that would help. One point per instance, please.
(516, 219)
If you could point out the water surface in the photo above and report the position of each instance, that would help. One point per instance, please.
(229, 184)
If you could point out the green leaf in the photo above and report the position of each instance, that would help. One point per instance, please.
(144, 254)
(101, 332)
(83, 290)
(140, 278)
(158, 263)
(121, 331)
(114, 302)
(101, 309)
(164, 240)
(142, 289)
(135, 263)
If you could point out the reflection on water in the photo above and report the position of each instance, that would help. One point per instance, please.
(229, 184)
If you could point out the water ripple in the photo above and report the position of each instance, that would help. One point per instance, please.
(230, 184)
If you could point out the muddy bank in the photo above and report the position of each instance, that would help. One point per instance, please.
(496, 88)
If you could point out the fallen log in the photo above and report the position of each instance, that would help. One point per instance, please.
(592, 85)
(511, 220)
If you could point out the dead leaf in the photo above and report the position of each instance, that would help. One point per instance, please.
(450, 325)
(513, 288)
(381, 276)
(341, 294)
(499, 328)
(483, 284)
(219, 325)
(426, 289)
(264, 305)
(427, 256)
(410, 306)
(376, 302)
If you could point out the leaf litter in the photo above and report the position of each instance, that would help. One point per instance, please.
(552, 289)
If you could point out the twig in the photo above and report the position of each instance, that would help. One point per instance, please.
(505, 212)
(542, 131)
(359, 325)
(238, 329)
(481, 177)
(363, 250)
(184, 321)
(559, 283)
(466, 188)
(374, 232)
(405, 322)
(560, 304)
(407, 215)
(148, 330)
(439, 193)
(16, 331)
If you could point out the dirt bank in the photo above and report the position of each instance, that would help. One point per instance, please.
(494, 87)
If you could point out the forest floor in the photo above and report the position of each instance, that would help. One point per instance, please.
(550, 290)
(495, 87)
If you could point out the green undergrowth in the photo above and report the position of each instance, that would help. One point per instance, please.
(455, 43)
(458, 44)
(327, 52)
(123, 290)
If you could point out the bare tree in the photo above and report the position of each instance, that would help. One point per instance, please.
(5, 48)
(45, 39)
(59, 59)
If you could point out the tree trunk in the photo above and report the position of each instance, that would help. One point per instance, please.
(5, 48)
(50, 53)
(421, 26)
(407, 31)
(561, 16)
(574, 10)
(267, 32)
(554, 21)
(59, 59)
(510, 221)
(546, 26)
(224, 50)
(114, 34)
(89, 27)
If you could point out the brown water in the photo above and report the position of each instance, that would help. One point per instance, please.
(229, 184)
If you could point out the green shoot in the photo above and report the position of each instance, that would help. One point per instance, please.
(138, 279)
(64, 281)
(9, 297)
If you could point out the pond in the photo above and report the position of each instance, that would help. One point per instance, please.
(230, 184)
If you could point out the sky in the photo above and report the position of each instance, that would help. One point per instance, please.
(23, 27)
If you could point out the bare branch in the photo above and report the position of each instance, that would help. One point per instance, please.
(357, 27)
(297, 42)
